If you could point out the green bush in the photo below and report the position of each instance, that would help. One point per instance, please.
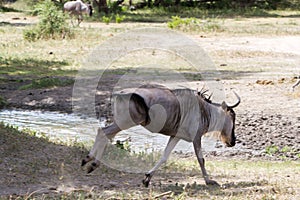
(194, 24)
(106, 19)
(52, 23)
(31, 35)
(119, 18)
(176, 22)
(114, 7)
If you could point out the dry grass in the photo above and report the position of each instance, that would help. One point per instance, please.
(264, 26)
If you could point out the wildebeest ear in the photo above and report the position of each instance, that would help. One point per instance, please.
(224, 105)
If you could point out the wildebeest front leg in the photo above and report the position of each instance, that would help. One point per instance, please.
(101, 141)
(71, 19)
(170, 146)
(79, 19)
(198, 151)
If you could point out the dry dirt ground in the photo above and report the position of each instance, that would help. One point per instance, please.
(35, 168)
(260, 69)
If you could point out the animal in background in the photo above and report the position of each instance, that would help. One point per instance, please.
(78, 8)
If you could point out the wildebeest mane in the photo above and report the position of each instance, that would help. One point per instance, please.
(203, 93)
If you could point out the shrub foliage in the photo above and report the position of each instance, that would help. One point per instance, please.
(52, 23)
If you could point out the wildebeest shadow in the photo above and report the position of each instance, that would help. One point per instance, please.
(233, 188)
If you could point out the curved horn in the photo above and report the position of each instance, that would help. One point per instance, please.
(238, 102)
(296, 84)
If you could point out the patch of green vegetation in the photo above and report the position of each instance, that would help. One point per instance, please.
(3, 102)
(193, 76)
(124, 145)
(47, 83)
(271, 150)
(9, 129)
(22, 5)
(286, 149)
(119, 18)
(31, 133)
(122, 157)
(164, 14)
(177, 22)
(189, 166)
(194, 24)
(52, 23)
(33, 67)
(106, 19)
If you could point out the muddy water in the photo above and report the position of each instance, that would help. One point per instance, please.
(70, 127)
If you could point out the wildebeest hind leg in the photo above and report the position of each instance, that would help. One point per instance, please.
(101, 141)
(71, 19)
(80, 19)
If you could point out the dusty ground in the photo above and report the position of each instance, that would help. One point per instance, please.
(260, 69)
(34, 167)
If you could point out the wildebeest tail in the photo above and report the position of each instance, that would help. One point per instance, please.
(141, 107)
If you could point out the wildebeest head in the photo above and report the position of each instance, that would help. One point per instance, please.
(227, 133)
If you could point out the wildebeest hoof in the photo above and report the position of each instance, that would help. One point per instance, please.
(146, 180)
(83, 162)
(86, 160)
(212, 182)
(146, 183)
(92, 167)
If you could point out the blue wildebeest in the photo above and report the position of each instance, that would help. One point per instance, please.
(78, 8)
(180, 114)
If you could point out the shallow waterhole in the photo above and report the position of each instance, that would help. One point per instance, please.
(84, 129)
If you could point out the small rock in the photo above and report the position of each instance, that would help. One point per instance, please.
(264, 118)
